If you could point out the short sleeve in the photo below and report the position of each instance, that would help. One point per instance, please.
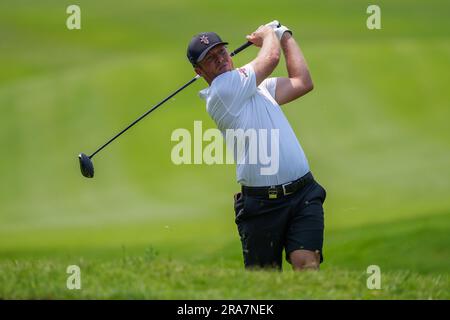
(270, 84)
(233, 88)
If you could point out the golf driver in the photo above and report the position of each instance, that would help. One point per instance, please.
(86, 165)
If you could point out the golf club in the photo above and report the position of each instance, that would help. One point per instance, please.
(86, 165)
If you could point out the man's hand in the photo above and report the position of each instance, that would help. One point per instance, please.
(281, 31)
(257, 37)
(278, 28)
(274, 24)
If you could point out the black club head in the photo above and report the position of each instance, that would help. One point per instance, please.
(86, 166)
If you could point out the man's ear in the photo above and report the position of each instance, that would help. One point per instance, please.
(198, 71)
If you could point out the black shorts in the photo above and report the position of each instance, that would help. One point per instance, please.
(292, 222)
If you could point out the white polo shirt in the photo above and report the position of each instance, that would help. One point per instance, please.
(235, 102)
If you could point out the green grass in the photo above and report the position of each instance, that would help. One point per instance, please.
(375, 131)
(149, 277)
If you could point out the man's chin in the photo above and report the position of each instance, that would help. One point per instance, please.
(223, 70)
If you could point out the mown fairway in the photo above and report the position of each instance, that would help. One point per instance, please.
(375, 130)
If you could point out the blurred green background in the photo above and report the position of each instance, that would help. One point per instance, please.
(375, 130)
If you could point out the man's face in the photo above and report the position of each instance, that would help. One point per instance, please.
(216, 62)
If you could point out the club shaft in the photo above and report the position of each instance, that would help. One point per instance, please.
(163, 101)
(145, 114)
(245, 45)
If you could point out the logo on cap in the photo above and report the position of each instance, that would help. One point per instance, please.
(204, 39)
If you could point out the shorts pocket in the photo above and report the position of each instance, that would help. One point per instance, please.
(238, 206)
(323, 192)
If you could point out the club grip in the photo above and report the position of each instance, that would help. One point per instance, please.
(245, 45)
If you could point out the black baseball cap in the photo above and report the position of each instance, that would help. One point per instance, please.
(201, 44)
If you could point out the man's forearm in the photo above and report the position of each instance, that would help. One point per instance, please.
(268, 56)
(270, 48)
(295, 61)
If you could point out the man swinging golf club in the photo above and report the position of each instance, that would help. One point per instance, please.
(275, 211)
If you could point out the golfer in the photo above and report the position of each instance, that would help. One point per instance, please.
(276, 211)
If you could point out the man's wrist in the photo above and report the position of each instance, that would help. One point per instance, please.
(269, 35)
(284, 42)
(287, 35)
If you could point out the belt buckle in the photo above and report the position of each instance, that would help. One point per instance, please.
(284, 189)
(273, 193)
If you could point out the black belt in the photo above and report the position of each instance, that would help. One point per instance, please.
(274, 192)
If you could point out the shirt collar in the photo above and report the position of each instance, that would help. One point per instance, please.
(204, 93)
